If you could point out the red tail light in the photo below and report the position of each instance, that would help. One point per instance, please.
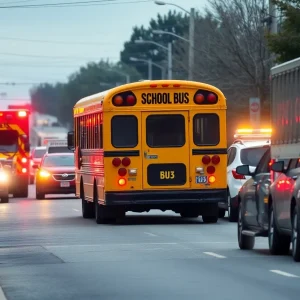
(211, 170)
(116, 162)
(24, 160)
(206, 159)
(126, 161)
(211, 98)
(199, 98)
(122, 172)
(118, 100)
(130, 100)
(24, 170)
(215, 159)
(237, 176)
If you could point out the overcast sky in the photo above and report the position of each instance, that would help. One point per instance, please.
(47, 44)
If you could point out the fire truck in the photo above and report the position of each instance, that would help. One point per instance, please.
(15, 149)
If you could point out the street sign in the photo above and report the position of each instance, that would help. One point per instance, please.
(254, 106)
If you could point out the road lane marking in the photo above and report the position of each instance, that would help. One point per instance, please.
(75, 209)
(149, 233)
(2, 296)
(284, 273)
(214, 254)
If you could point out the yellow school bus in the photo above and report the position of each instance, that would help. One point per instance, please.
(151, 145)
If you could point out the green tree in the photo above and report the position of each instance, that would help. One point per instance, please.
(286, 43)
(173, 22)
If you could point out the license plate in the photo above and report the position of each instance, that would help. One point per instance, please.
(201, 179)
(65, 184)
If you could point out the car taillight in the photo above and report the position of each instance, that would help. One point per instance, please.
(215, 159)
(206, 159)
(116, 162)
(211, 170)
(122, 171)
(237, 176)
(126, 161)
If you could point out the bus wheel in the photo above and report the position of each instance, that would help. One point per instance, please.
(210, 219)
(88, 209)
(189, 214)
(5, 199)
(103, 214)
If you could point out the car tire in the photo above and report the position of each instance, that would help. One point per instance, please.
(232, 212)
(222, 213)
(189, 214)
(5, 199)
(40, 196)
(210, 219)
(296, 234)
(245, 242)
(279, 244)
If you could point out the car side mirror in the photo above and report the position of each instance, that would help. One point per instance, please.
(244, 170)
(278, 166)
(71, 143)
(35, 166)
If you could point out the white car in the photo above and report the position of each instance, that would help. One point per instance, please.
(246, 150)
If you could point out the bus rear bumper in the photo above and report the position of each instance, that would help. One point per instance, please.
(166, 200)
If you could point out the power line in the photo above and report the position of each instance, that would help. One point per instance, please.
(74, 4)
(53, 57)
(53, 42)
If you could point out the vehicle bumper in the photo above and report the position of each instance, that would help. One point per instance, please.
(165, 198)
(55, 188)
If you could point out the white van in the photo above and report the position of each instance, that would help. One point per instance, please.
(58, 146)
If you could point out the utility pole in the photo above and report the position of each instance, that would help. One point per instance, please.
(273, 17)
(170, 67)
(149, 69)
(191, 44)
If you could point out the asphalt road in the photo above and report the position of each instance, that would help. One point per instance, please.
(48, 251)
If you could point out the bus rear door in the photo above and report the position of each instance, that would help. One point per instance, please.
(165, 150)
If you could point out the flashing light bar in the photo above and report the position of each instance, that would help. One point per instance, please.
(253, 133)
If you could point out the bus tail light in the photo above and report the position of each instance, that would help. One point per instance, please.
(205, 97)
(215, 159)
(237, 176)
(116, 162)
(24, 160)
(211, 170)
(24, 170)
(211, 179)
(206, 159)
(126, 161)
(124, 99)
(122, 172)
(122, 181)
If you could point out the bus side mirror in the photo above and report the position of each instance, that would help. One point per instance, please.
(278, 167)
(71, 143)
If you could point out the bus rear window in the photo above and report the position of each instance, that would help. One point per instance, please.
(206, 129)
(124, 131)
(164, 131)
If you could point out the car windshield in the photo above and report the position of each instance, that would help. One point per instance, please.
(252, 156)
(59, 161)
(39, 153)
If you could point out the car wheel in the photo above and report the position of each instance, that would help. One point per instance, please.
(278, 244)
(222, 213)
(295, 235)
(245, 242)
(210, 219)
(232, 212)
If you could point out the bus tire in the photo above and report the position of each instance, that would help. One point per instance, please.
(40, 196)
(104, 214)
(210, 219)
(189, 214)
(22, 192)
(88, 210)
(5, 199)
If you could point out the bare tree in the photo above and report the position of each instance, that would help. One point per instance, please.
(231, 50)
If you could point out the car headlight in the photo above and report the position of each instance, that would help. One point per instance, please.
(3, 177)
(44, 174)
